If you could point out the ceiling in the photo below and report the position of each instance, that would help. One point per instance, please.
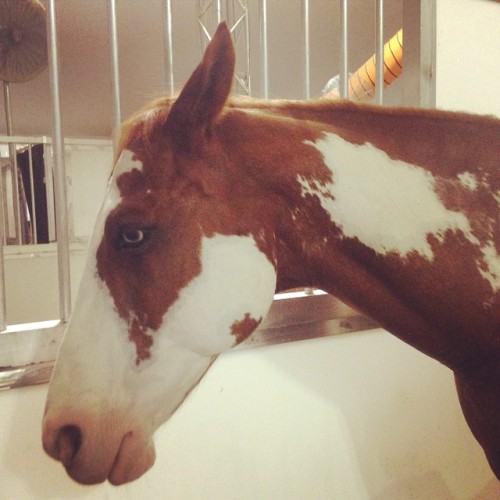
(84, 54)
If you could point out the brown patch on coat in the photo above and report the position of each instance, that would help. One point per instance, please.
(143, 340)
(243, 328)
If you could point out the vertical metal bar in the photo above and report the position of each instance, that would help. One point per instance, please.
(419, 77)
(307, 68)
(264, 49)
(248, 47)
(13, 164)
(218, 13)
(34, 223)
(379, 53)
(3, 302)
(204, 32)
(344, 49)
(49, 187)
(115, 69)
(169, 48)
(8, 112)
(59, 172)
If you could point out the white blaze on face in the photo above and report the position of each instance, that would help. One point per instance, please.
(390, 205)
(92, 289)
(126, 163)
(236, 281)
(95, 344)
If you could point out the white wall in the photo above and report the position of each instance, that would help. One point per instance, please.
(359, 416)
(468, 55)
(352, 417)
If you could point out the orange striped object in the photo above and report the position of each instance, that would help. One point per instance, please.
(361, 85)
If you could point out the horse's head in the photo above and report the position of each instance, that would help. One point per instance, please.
(176, 273)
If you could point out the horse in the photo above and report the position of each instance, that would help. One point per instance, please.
(216, 203)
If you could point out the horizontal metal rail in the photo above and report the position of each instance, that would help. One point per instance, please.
(28, 352)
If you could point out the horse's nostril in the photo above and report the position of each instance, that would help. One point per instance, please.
(69, 440)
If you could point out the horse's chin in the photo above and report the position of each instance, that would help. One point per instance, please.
(134, 457)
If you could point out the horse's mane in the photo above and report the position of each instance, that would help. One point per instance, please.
(142, 123)
(455, 126)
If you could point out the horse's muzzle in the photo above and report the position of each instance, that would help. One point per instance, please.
(93, 454)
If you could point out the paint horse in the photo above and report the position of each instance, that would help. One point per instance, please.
(213, 205)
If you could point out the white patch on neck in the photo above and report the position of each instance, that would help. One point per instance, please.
(389, 205)
(492, 261)
(236, 279)
(468, 180)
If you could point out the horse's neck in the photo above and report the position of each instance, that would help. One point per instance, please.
(357, 213)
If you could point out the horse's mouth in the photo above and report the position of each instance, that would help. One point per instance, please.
(135, 456)
(88, 463)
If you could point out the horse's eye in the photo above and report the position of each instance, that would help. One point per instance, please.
(131, 238)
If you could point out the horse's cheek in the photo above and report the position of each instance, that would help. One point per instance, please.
(226, 301)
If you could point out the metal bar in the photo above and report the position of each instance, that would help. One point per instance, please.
(169, 48)
(218, 12)
(49, 185)
(32, 196)
(115, 68)
(247, 43)
(60, 197)
(203, 6)
(307, 61)
(42, 139)
(292, 317)
(8, 113)
(16, 191)
(264, 49)
(344, 72)
(379, 53)
(3, 302)
(419, 76)
(204, 31)
(13, 163)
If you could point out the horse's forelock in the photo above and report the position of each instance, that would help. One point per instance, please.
(140, 127)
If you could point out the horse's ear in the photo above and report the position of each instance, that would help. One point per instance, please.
(204, 95)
